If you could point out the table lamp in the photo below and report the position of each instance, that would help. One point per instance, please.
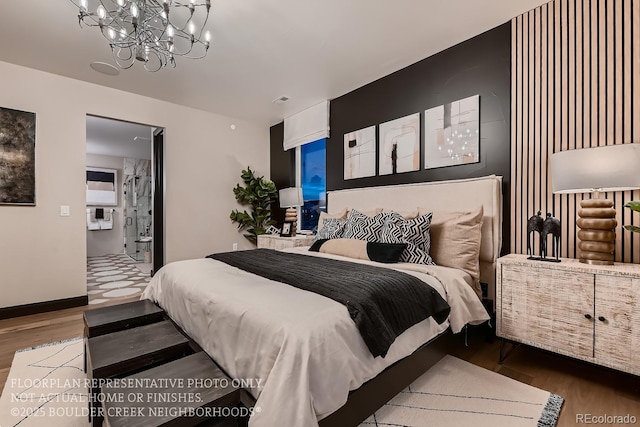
(291, 198)
(596, 170)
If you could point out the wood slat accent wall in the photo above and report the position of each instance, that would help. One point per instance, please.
(575, 84)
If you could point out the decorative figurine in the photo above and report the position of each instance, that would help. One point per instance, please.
(544, 227)
(534, 224)
(551, 226)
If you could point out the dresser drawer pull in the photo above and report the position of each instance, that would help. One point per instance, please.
(602, 319)
(587, 316)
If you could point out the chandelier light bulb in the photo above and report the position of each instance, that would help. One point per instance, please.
(207, 36)
(134, 10)
(192, 28)
(102, 12)
(123, 33)
(83, 5)
(112, 33)
(120, 3)
(170, 31)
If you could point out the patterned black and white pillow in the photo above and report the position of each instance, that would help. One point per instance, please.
(332, 228)
(414, 232)
(362, 227)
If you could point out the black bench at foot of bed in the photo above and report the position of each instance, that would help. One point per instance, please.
(190, 391)
(152, 374)
(360, 405)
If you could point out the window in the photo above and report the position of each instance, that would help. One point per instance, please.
(311, 168)
(102, 187)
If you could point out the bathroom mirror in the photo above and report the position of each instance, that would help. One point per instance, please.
(101, 187)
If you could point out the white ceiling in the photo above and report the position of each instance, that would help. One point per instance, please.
(115, 138)
(262, 49)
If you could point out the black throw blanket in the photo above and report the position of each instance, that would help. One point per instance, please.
(382, 302)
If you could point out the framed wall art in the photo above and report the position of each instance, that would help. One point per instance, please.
(360, 153)
(452, 133)
(400, 145)
(17, 157)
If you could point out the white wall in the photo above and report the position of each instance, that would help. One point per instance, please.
(105, 242)
(43, 255)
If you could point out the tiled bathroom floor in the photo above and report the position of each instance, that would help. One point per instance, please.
(114, 276)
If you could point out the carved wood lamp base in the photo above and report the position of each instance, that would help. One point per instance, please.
(597, 234)
(291, 215)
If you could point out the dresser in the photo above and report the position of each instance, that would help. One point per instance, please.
(274, 241)
(579, 310)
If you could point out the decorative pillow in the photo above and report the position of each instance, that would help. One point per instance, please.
(387, 253)
(371, 212)
(333, 228)
(455, 240)
(405, 215)
(362, 227)
(323, 215)
(359, 249)
(414, 232)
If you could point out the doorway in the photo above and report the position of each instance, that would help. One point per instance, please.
(122, 244)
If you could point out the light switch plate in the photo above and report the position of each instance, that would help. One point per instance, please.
(65, 210)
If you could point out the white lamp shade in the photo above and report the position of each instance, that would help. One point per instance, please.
(291, 197)
(608, 168)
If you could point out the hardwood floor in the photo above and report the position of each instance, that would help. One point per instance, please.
(37, 329)
(587, 389)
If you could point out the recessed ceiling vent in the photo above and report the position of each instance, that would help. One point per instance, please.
(281, 100)
(104, 68)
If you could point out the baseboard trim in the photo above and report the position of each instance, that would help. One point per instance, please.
(43, 307)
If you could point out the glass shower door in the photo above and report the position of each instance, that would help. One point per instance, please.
(131, 219)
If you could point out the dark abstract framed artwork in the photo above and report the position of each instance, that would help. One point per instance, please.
(17, 157)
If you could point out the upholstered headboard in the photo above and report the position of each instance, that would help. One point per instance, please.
(456, 195)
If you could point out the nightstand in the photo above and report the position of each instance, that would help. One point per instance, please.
(584, 311)
(273, 241)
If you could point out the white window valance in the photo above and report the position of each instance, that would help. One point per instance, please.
(307, 126)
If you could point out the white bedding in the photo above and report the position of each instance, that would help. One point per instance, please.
(304, 348)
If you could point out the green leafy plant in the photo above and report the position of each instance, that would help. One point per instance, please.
(259, 193)
(634, 206)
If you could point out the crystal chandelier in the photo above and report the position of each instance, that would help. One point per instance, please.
(151, 31)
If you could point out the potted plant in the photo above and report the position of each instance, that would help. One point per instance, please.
(634, 206)
(258, 193)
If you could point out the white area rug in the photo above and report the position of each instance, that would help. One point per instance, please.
(458, 393)
(46, 387)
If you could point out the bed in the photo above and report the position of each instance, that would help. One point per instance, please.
(300, 354)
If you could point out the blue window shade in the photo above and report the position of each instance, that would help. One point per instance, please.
(313, 176)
